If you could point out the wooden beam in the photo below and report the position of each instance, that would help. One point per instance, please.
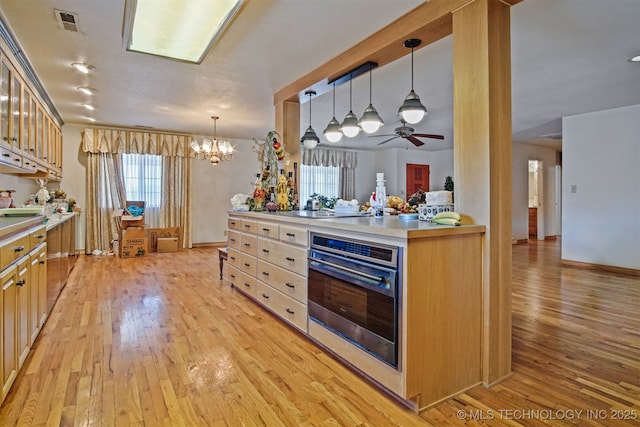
(428, 22)
(482, 160)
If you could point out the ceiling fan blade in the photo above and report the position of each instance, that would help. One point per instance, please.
(428, 135)
(387, 140)
(383, 134)
(415, 140)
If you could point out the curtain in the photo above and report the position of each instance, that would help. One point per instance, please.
(345, 160)
(175, 206)
(105, 194)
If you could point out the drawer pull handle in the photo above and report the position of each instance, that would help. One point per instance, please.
(232, 257)
(265, 296)
(266, 251)
(247, 226)
(19, 249)
(290, 311)
(246, 264)
(40, 236)
(247, 245)
(233, 223)
(21, 282)
(290, 259)
(291, 234)
(247, 284)
(290, 285)
(41, 262)
(266, 230)
(265, 273)
(233, 240)
(233, 276)
(5, 154)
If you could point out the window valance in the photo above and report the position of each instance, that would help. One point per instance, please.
(328, 157)
(118, 141)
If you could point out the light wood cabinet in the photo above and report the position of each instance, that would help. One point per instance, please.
(272, 266)
(23, 282)
(9, 304)
(27, 130)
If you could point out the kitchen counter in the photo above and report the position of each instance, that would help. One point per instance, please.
(54, 220)
(12, 224)
(388, 225)
(440, 299)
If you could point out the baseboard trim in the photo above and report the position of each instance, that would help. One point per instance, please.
(601, 267)
(209, 245)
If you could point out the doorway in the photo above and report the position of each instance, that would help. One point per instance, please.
(536, 199)
(417, 178)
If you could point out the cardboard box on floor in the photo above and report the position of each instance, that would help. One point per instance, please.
(130, 220)
(167, 244)
(133, 242)
(162, 233)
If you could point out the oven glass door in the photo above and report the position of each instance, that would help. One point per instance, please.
(357, 301)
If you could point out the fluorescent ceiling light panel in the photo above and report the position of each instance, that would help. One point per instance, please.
(178, 29)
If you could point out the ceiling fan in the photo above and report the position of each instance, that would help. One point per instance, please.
(407, 133)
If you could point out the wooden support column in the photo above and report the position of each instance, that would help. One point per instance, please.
(288, 126)
(482, 160)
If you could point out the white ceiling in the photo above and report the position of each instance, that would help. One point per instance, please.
(568, 57)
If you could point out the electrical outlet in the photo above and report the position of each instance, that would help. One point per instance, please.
(225, 233)
(574, 188)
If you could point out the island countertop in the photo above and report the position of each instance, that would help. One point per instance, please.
(388, 225)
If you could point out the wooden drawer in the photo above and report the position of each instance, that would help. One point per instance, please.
(13, 248)
(268, 229)
(233, 239)
(234, 257)
(248, 285)
(249, 264)
(249, 226)
(288, 283)
(286, 256)
(234, 276)
(249, 244)
(283, 306)
(294, 235)
(38, 236)
(234, 224)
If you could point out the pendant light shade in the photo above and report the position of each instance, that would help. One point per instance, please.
(310, 139)
(333, 132)
(370, 121)
(350, 127)
(412, 110)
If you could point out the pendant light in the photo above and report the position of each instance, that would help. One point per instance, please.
(371, 120)
(412, 110)
(350, 127)
(310, 139)
(333, 132)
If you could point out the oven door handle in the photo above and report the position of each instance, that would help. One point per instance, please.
(377, 279)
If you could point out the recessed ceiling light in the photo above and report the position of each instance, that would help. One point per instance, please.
(83, 68)
(177, 29)
(91, 119)
(635, 58)
(87, 90)
(88, 106)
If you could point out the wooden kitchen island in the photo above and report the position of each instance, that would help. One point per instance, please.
(440, 298)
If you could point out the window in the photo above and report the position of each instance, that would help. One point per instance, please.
(143, 181)
(323, 180)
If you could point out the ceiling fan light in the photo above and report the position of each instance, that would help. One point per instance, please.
(310, 139)
(412, 110)
(350, 127)
(332, 132)
(370, 121)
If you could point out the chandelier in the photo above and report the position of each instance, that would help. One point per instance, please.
(213, 150)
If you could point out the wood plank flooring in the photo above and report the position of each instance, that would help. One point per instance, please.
(160, 341)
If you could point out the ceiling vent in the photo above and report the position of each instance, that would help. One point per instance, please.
(67, 20)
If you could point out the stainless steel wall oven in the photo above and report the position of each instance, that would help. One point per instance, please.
(353, 290)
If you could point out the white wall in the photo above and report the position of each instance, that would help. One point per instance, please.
(601, 158)
(521, 154)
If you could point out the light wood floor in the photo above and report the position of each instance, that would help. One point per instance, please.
(160, 341)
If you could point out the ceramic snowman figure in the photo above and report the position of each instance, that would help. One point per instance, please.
(43, 194)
